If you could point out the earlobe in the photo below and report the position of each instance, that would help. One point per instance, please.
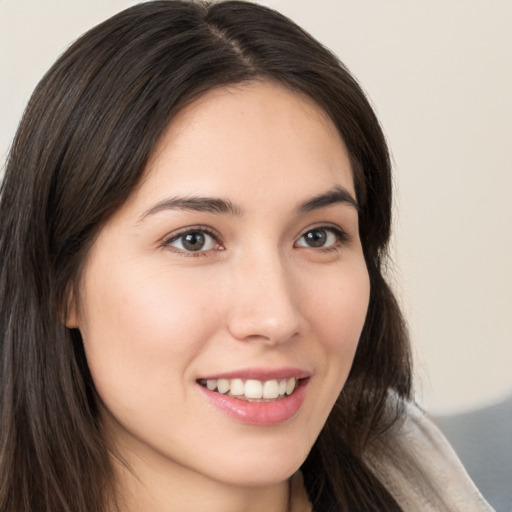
(71, 321)
(70, 316)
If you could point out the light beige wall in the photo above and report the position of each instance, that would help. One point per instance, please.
(439, 74)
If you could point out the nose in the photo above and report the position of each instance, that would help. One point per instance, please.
(264, 303)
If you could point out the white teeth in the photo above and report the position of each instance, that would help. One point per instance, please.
(237, 387)
(253, 389)
(271, 389)
(290, 386)
(223, 386)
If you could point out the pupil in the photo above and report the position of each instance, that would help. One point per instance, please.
(193, 241)
(316, 238)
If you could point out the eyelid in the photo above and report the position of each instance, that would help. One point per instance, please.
(176, 235)
(341, 235)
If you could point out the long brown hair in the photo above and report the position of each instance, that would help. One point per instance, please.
(81, 148)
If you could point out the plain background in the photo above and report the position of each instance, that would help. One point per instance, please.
(439, 74)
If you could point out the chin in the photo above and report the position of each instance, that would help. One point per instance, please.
(263, 463)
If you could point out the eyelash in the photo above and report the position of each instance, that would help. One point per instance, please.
(201, 230)
(341, 238)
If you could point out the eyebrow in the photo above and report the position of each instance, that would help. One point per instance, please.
(336, 195)
(196, 204)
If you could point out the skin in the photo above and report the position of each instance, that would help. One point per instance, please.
(155, 317)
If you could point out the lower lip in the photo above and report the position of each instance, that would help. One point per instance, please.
(259, 413)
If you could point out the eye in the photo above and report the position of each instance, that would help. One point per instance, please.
(193, 240)
(321, 238)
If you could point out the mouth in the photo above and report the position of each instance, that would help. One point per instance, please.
(257, 396)
(252, 390)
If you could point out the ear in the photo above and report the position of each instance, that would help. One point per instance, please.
(71, 321)
(70, 313)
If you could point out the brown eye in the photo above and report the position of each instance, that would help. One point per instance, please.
(315, 238)
(193, 241)
(320, 238)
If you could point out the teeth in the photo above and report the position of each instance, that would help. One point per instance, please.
(290, 386)
(237, 387)
(271, 389)
(223, 386)
(253, 389)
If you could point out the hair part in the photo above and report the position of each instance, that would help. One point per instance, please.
(81, 149)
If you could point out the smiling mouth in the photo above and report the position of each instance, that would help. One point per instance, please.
(252, 390)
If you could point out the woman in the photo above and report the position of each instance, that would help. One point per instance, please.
(195, 215)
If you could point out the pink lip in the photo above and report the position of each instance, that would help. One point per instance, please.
(262, 374)
(259, 413)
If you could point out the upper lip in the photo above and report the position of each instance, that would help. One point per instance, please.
(262, 374)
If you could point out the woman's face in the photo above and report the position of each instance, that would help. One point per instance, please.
(221, 306)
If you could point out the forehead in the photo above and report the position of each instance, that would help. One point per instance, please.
(238, 137)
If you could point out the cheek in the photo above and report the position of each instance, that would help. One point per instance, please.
(340, 308)
(338, 318)
(142, 329)
(335, 304)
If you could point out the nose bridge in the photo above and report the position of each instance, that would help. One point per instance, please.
(264, 305)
